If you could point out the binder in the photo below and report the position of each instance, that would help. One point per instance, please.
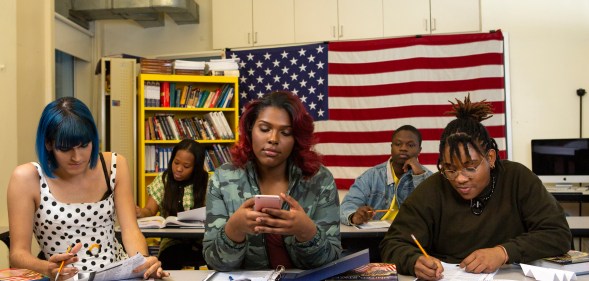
(330, 269)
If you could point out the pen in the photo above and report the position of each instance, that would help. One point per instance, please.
(419, 245)
(62, 263)
(379, 211)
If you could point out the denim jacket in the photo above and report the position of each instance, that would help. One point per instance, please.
(230, 186)
(374, 188)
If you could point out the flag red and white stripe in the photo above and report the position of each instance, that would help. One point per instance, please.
(378, 85)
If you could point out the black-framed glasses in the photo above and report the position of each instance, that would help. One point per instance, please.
(468, 172)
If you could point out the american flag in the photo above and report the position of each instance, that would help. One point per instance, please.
(300, 69)
(377, 86)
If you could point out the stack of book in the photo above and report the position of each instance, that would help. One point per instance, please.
(156, 66)
(185, 67)
(223, 67)
(575, 261)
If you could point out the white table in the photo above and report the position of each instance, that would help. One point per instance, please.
(507, 272)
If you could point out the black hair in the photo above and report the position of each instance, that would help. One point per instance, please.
(467, 129)
(410, 129)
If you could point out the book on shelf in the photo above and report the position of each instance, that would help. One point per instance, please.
(575, 261)
(227, 101)
(223, 121)
(21, 275)
(371, 271)
(214, 98)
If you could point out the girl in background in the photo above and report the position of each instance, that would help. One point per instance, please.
(181, 187)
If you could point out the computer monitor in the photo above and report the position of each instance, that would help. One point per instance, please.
(561, 161)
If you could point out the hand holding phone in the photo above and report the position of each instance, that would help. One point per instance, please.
(267, 201)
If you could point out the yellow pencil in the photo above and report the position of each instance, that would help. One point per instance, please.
(380, 211)
(419, 245)
(62, 263)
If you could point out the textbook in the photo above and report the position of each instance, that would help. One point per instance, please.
(19, 274)
(570, 257)
(188, 219)
(371, 271)
(330, 269)
(575, 261)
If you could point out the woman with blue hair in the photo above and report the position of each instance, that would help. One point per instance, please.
(73, 200)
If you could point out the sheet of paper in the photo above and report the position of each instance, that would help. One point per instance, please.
(453, 272)
(374, 224)
(198, 214)
(260, 275)
(547, 274)
(115, 271)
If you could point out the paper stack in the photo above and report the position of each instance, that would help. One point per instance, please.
(547, 274)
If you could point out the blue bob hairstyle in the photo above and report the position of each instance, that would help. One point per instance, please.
(65, 123)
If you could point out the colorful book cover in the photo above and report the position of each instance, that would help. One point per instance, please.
(571, 257)
(371, 271)
(17, 274)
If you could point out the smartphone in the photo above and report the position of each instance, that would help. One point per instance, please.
(267, 201)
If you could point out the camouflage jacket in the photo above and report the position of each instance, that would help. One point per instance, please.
(230, 186)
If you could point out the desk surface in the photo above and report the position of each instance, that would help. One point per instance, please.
(345, 230)
(579, 227)
(508, 272)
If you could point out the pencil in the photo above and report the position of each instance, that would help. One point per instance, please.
(379, 211)
(419, 245)
(62, 263)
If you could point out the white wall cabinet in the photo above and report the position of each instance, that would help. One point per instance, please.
(412, 17)
(246, 23)
(315, 20)
(360, 19)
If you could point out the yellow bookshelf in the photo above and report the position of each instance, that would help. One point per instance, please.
(211, 83)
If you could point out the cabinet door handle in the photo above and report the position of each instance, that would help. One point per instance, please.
(249, 36)
(341, 31)
(425, 24)
(255, 37)
(434, 26)
(333, 31)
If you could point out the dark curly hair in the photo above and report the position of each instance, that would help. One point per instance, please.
(467, 129)
(302, 155)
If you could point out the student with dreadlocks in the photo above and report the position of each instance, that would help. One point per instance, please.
(477, 211)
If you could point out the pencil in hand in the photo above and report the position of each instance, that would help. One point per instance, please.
(419, 245)
(62, 263)
(379, 211)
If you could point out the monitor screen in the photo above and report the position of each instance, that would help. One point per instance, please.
(561, 161)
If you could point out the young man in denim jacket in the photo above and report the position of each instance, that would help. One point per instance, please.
(385, 186)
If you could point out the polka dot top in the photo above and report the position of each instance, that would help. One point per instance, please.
(58, 225)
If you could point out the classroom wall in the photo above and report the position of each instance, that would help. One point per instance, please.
(547, 46)
(26, 76)
(547, 58)
(7, 107)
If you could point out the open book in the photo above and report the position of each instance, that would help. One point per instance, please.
(575, 261)
(189, 219)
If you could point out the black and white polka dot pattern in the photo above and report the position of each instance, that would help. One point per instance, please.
(57, 225)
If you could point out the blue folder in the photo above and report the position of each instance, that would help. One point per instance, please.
(330, 269)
